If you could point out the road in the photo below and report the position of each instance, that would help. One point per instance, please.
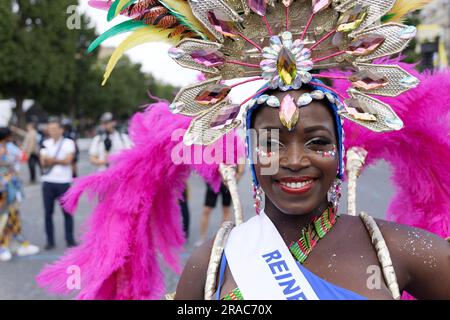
(17, 276)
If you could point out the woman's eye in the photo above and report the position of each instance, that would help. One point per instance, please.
(274, 144)
(270, 145)
(318, 143)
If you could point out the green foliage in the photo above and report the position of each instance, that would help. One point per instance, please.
(42, 58)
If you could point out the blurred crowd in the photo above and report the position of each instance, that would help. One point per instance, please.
(51, 153)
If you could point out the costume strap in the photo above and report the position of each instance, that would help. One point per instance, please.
(382, 253)
(216, 256)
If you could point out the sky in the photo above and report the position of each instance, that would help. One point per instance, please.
(153, 57)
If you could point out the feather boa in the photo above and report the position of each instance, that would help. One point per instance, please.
(137, 218)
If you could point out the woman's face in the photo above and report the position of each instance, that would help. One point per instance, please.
(306, 157)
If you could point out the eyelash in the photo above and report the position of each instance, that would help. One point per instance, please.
(318, 141)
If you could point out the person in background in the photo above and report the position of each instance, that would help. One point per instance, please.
(184, 206)
(107, 142)
(31, 149)
(70, 133)
(11, 193)
(57, 157)
(210, 204)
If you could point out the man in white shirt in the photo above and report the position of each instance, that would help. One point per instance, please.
(57, 156)
(108, 142)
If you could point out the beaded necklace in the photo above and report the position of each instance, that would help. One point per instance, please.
(310, 235)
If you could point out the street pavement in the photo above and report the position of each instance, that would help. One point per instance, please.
(17, 276)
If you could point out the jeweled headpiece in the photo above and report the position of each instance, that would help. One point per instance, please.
(284, 43)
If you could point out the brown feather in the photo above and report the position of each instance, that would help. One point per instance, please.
(141, 6)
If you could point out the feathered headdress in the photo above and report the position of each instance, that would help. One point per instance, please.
(285, 44)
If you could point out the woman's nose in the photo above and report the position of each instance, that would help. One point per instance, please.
(295, 158)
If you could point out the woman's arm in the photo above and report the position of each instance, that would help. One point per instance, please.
(425, 258)
(192, 282)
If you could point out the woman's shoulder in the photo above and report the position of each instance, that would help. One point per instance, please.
(420, 257)
(402, 240)
(424, 255)
(192, 281)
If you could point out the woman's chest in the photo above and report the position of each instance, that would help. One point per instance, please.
(343, 261)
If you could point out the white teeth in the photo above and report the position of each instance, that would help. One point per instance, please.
(296, 185)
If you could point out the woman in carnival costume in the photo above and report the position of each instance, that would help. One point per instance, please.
(289, 72)
(12, 240)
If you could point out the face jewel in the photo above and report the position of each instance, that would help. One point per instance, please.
(286, 66)
(317, 94)
(222, 23)
(297, 83)
(263, 98)
(305, 54)
(268, 64)
(394, 123)
(319, 5)
(287, 39)
(408, 33)
(273, 84)
(306, 77)
(365, 44)
(225, 116)
(289, 113)
(273, 102)
(176, 107)
(352, 19)
(270, 51)
(213, 94)
(208, 57)
(368, 80)
(304, 100)
(176, 53)
(360, 111)
(330, 97)
(258, 6)
(298, 43)
(410, 82)
(275, 42)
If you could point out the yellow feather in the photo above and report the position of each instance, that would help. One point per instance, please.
(121, 4)
(184, 8)
(138, 37)
(403, 7)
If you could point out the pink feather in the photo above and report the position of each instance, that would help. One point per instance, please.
(418, 154)
(137, 218)
(98, 4)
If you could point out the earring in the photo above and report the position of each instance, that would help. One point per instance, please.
(334, 194)
(257, 198)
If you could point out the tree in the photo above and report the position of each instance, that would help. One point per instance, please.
(42, 57)
(37, 49)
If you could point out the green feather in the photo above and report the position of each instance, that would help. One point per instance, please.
(183, 20)
(387, 17)
(126, 26)
(114, 10)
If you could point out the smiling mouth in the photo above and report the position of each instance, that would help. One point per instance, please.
(296, 185)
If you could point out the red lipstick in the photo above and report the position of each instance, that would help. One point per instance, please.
(296, 185)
